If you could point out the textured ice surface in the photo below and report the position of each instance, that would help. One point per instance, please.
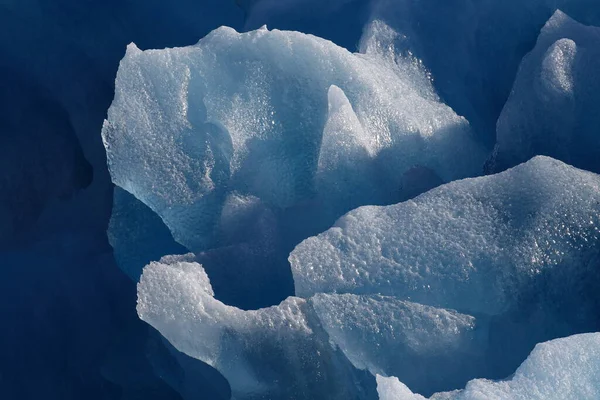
(248, 113)
(390, 388)
(471, 245)
(305, 349)
(552, 108)
(392, 337)
(566, 368)
(277, 352)
(473, 48)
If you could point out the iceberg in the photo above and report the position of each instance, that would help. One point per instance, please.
(551, 108)
(565, 368)
(246, 113)
(273, 135)
(241, 148)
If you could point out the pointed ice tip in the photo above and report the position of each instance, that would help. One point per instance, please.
(557, 19)
(337, 98)
(263, 28)
(559, 14)
(132, 49)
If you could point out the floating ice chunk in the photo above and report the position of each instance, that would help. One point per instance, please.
(278, 352)
(249, 113)
(552, 107)
(392, 337)
(473, 245)
(566, 368)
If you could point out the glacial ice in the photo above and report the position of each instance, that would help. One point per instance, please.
(390, 388)
(548, 111)
(516, 250)
(472, 245)
(566, 368)
(241, 146)
(307, 346)
(277, 352)
(249, 114)
(473, 48)
(388, 336)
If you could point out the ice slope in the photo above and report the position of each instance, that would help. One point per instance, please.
(560, 369)
(551, 109)
(510, 249)
(473, 245)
